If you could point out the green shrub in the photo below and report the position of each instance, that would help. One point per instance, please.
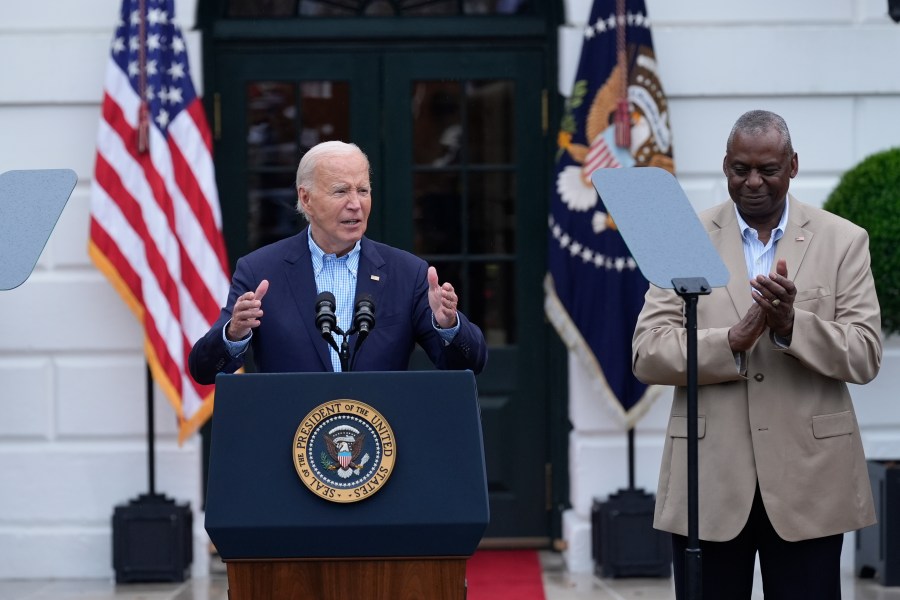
(869, 195)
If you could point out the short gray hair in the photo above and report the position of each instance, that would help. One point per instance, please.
(307, 166)
(760, 121)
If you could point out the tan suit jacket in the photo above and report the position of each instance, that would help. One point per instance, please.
(788, 422)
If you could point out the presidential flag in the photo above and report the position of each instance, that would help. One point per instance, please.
(155, 221)
(616, 116)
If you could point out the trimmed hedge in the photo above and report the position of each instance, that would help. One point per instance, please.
(869, 195)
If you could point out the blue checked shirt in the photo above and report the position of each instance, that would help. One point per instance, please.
(338, 276)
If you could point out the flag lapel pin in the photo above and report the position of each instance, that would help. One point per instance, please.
(374, 277)
(799, 238)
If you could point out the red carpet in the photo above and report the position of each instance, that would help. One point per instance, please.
(504, 575)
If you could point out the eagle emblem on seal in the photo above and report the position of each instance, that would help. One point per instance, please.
(344, 450)
(344, 444)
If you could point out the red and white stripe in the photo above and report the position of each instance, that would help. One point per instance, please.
(156, 232)
(599, 156)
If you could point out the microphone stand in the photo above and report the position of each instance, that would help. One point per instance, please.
(359, 340)
(361, 326)
(344, 351)
(344, 354)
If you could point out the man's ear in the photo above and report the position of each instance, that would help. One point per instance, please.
(303, 198)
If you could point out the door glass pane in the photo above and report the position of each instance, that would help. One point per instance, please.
(498, 7)
(430, 8)
(492, 213)
(242, 9)
(261, 8)
(325, 109)
(490, 114)
(284, 120)
(493, 301)
(272, 124)
(272, 207)
(464, 192)
(437, 219)
(437, 122)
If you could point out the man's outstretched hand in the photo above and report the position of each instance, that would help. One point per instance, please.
(442, 299)
(247, 312)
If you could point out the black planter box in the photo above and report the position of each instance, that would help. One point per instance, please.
(878, 546)
(152, 540)
(624, 543)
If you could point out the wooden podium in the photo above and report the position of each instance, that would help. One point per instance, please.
(348, 579)
(409, 540)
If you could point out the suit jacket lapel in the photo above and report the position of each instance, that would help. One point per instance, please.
(371, 278)
(727, 240)
(793, 245)
(302, 282)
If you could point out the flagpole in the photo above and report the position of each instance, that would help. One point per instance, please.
(631, 458)
(152, 534)
(151, 436)
(149, 100)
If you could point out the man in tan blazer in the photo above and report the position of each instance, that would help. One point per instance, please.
(781, 464)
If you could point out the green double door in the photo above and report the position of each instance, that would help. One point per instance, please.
(456, 144)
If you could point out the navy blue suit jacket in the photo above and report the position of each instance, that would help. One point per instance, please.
(287, 339)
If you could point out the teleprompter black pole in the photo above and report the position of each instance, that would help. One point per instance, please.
(151, 437)
(631, 458)
(690, 289)
(630, 195)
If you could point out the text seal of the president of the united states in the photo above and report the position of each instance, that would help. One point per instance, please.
(344, 450)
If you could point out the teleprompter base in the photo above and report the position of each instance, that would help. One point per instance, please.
(348, 579)
(878, 546)
(152, 540)
(624, 542)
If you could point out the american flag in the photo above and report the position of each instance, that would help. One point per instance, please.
(616, 116)
(156, 225)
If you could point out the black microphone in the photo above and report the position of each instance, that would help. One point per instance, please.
(363, 321)
(326, 320)
(364, 315)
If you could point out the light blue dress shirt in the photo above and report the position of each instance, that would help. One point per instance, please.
(758, 256)
(337, 275)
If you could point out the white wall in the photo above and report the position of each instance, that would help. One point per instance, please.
(825, 66)
(72, 376)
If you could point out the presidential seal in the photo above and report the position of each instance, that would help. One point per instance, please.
(344, 450)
